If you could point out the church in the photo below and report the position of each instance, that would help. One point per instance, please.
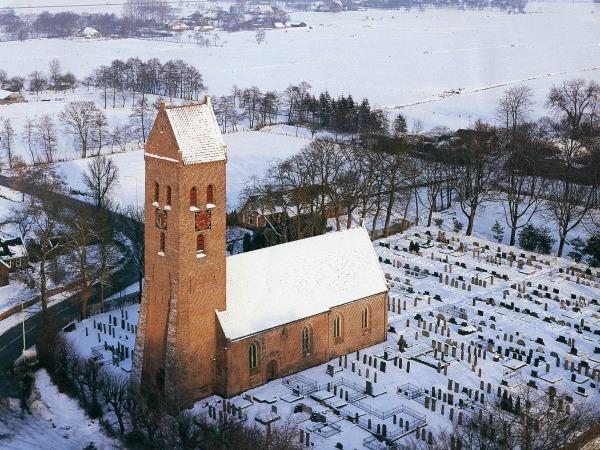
(216, 324)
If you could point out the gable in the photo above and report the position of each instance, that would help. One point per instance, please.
(197, 133)
(161, 139)
(277, 285)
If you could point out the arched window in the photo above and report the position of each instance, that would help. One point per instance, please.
(306, 339)
(162, 242)
(337, 326)
(194, 196)
(210, 194)
(200, 243)
(168, 202)
(156, 196)
(253, 356)
(366, 319)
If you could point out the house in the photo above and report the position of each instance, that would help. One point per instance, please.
(178, 25)
(89, 33)
(262, 10)
(204, 28)
(212, 324)
(261, 212)
(13, 252)
(8, 97)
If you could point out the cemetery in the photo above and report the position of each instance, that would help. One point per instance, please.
(470, 322)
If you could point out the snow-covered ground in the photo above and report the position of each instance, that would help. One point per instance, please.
(248, 154)
(442, 66)
(476, 317)
(56, 421)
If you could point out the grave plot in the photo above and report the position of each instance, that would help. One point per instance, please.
(471, 324)
(108, 337)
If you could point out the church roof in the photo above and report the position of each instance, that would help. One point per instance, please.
(197, 132)
(277, 285)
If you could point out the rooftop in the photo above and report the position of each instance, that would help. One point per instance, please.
(197, 132)
(281, 284)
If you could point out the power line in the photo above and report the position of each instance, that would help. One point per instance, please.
(85, 5)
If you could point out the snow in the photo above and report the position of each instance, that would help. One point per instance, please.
(543, 300)
(442, 66)
(284, 283)
(56, 421)
(248, 154)
(197, 133)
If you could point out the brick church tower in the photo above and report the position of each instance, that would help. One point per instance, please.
(175, 350)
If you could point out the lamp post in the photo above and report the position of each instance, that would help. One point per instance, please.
(23, 324)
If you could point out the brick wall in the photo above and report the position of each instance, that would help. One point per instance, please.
(282, 345)
(181, 291)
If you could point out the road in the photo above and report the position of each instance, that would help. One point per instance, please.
(11, 342)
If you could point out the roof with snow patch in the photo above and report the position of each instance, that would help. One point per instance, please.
(11, 247)
(281, 284)
(197, 132)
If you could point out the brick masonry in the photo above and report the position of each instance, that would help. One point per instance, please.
(180, 349)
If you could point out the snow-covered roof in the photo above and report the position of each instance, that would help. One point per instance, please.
(11, 247)
(6, 94)
(197, 132)
(284, 283)
(89, 31)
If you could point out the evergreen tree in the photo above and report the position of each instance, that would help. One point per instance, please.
(399, 125)
(592, 249)
(247, 245)
(528, 238)
(577, 249)
(498, 232)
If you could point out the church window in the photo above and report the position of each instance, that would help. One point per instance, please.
(210, 194)
(162, 242)
(194, 197)
(200, 243)
(156, 197)
(168, 202)
(253, 356)
(306, 339)
(337, 326)
(366, 319)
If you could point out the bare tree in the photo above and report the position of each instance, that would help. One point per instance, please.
(140, 116)
(475, 172)
(100, 179)
(115, 391)
(7, 140)
(41, 214)
(513, 109)
(81, 233)
(37, 81)
(99, 130)
(79, 118)
(55, 73)
(28, 137)
(572, 194)
(433, 174)
(131, 227)
(45, 137)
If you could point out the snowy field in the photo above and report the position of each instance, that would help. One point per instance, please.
(248, 154)
(476, 319)
(444, 67)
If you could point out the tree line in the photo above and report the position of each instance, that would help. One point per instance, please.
(133, 77)
(141, 419)
(548, 168)
(296, 105)
(68, 23)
